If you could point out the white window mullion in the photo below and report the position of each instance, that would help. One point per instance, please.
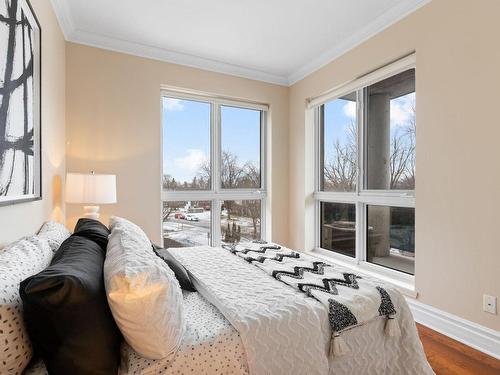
(216, 183)
(263, 151)
(360, 207)
(387, 200)
(215, 227)
(318, 155)
(336, 197)
(263, 219)
(215, 145)
(360, 232)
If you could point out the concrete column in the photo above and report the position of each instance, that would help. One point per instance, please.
(378, 170)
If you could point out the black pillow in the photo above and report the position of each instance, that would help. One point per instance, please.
(180, 272)
(67, 313)
(93, 230)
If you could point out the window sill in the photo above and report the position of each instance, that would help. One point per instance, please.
(403, 282)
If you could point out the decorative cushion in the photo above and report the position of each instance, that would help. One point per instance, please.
(18, 260)
(180, 272)
(143, 293)
(55, 233)
(93, 230)
(67, 314)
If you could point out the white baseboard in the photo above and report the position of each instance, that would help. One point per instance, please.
(471, 334)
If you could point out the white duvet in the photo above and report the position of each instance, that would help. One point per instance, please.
(285, 332)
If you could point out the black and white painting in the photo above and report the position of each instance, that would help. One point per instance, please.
(20, 157)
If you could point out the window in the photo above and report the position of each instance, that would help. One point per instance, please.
(240, 220)
(391, 237)
(338, 227)
(213, 188)
(186, 223)
(186, 147)
(365, 191)
(390, 133)
(240, 133)
(339, 144)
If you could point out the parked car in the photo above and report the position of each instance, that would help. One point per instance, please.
(191, 218)
(179, 215)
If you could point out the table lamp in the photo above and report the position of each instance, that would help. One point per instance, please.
(91, 190)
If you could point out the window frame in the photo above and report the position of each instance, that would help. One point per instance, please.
(361, 197)
(217, 194)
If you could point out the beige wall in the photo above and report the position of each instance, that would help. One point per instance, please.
(114, 125)
(458, 153)
(25, 218)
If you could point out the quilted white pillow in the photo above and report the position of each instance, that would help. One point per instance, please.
(143, 294)
(55, 233)
(18, 261)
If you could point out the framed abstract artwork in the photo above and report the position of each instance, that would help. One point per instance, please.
(20, 103)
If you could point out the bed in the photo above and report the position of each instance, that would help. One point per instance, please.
(210, 346)
(243, 321)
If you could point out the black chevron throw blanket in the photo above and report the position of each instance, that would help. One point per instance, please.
(350, 299)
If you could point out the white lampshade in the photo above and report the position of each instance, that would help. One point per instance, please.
(90, 188)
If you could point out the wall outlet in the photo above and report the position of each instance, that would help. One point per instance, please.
(490, 304)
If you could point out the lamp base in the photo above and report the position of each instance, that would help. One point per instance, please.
(91, 212)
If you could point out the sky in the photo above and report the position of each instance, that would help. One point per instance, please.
(339, 113)
(186, 136)
(186, 131)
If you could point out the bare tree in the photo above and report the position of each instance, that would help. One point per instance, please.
(204, 175)
(231, 171)
(340, 169)
(401, 152)
(250, 177)
(168, 182)
(253, 207)
(402, 157)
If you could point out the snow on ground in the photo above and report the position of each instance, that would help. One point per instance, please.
(181, 232)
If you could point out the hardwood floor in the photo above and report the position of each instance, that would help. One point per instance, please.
(450, 357)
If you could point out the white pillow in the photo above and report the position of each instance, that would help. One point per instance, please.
(55, 233)
(143, 294)
(18, 261)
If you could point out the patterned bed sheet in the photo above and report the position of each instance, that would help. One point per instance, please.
(210, 346)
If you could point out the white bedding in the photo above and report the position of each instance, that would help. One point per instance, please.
(283, 331)
(265, 313)
(210, 345)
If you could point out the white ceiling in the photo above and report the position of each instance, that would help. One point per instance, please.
(278, 41)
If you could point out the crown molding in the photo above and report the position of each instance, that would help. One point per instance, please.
(370, 30)
(155, 53)
(72, 34)
(64, 16)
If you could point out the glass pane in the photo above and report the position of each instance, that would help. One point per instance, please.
(338, 148)
(391, 130)
(240, 137)
(338, 228)
(391, 237)
(186, 223)
(240, 221)
(186, 145)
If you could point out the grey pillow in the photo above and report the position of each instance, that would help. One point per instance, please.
(180, 272)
